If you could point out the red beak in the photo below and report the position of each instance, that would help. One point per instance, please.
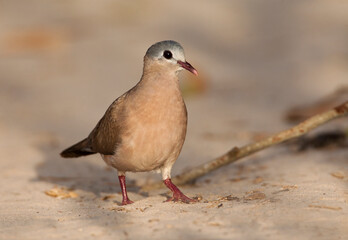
(188, 67)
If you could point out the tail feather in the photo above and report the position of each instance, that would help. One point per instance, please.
(77, 150)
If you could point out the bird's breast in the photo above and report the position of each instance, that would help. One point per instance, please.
(154, 132)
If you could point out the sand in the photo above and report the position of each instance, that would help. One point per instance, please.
(62, 63)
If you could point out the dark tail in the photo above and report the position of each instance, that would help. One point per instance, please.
(77, 150)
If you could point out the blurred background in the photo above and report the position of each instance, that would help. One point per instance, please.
(63, 62)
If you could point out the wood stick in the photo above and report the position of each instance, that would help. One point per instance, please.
(238, 153)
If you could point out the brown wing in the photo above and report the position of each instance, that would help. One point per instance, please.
(106, 136)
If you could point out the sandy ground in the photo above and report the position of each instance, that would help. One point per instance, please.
(63, 62)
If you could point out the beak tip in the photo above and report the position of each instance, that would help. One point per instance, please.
(188, 67)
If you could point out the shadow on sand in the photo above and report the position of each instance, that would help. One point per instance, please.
(89, 174)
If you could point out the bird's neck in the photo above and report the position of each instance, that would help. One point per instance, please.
(157, 76)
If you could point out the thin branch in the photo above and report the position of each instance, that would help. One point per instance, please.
(237, 153)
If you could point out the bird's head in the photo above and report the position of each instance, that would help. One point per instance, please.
(169, 54)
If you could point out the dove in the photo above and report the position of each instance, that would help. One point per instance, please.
(145, 128)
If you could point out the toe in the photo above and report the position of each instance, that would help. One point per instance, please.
(126, 202)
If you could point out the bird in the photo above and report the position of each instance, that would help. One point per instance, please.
(145, 128)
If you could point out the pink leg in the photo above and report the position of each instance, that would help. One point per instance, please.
(177, 194)
(125, 199)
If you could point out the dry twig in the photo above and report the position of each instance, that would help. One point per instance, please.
(237, 153)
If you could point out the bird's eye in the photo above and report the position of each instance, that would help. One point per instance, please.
(167, 54)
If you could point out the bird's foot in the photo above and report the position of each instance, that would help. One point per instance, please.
(178, 196)
(126, 201)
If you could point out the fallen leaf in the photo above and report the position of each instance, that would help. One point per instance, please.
(61, 193)
(338, 175)
(107, 197)
(214, 224)
(325, 207)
